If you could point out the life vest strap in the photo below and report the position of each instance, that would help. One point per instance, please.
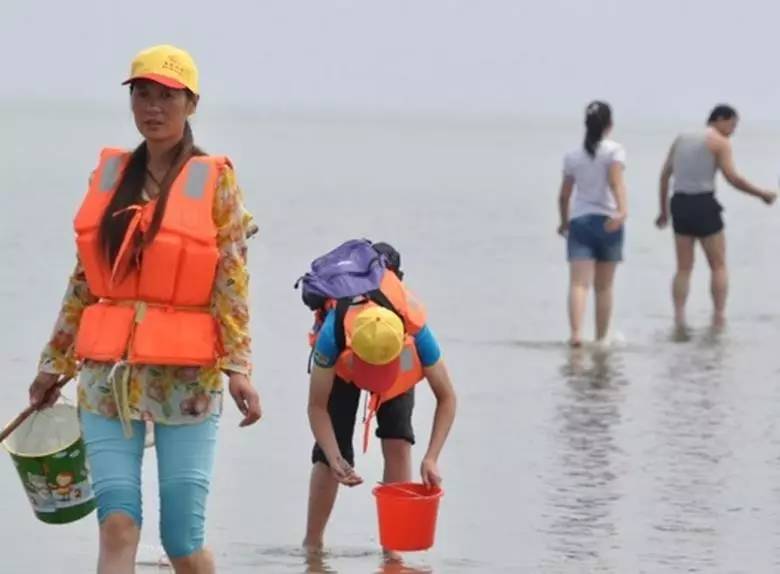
(141, 306)
(370, 408)
(121, 372)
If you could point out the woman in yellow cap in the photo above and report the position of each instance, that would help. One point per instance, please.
(155, 312)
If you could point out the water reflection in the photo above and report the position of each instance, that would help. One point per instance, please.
(583, 489)
(690, 443)
(320, 563)
(395, 567)
(316, 563)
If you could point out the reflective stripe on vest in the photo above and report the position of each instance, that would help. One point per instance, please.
(197, 174)
(109, 176)
(407, 361)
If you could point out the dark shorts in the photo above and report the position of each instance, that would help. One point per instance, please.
(394, 419)
(696, 214)
(589, 241)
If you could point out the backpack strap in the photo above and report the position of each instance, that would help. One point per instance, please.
(309, 362)
(342, 306)
(378, 297)
(315, 330)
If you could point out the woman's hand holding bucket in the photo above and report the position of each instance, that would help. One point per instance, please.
(44, 390)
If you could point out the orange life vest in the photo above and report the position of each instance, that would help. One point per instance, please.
(158, 314)
(413, 315)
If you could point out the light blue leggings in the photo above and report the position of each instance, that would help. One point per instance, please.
(185, 459)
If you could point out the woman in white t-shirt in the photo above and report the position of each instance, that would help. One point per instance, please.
(592, 205)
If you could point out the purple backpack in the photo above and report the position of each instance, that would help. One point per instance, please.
(353, 268)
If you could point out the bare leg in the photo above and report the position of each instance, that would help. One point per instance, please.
(581, 278)
(398, 460)
(119, 537)
(201, 562)
(715, 249)
(684, 247)
(605, 276)
(323, 488)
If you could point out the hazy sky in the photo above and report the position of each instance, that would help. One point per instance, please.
(650, 58)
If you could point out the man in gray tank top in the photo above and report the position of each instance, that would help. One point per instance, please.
(693, 162)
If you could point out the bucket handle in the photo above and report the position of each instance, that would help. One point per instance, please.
(14, 424)
(399, 488)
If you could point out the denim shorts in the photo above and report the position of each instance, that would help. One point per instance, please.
(589, 241)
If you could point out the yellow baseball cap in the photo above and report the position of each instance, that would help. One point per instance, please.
(166, 65)
(377, 341)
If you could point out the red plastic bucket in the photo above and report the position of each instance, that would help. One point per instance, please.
(407, 515)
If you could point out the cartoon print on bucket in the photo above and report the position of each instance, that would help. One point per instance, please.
(49, 456)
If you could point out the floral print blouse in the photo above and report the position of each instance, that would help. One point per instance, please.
(168, 394)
